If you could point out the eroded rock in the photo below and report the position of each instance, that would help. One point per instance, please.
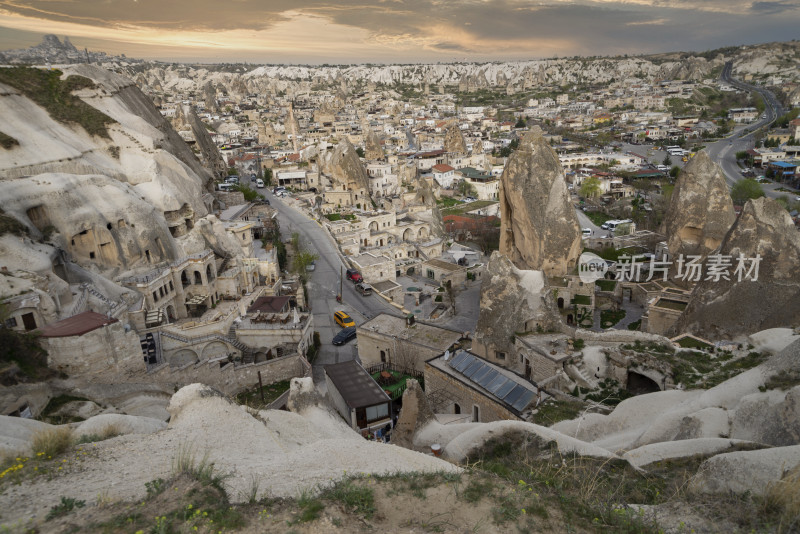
(539, 228)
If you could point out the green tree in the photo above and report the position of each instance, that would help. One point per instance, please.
(301, 261)
(667, 161)
(744, 190)
(360, 152)
(466, 189)
(520, 123)
(674, 171)
(268, 177)
(249, 194)
(590, 188)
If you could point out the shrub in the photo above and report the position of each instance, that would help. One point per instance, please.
(66, 505)
(52, 442)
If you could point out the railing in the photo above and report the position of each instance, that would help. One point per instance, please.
(161, 271)
(386, 366)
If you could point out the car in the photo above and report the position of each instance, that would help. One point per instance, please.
(311, 266)
(343, 320)
(797, 199)
(259, 183)
(345, 336)
(354, 275)
(586, 232)
(364, 289)
(233, 179)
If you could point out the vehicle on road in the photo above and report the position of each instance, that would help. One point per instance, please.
(364, 289)
(354, 275)
(225, 187)
(311, 266)
(586, 232)
(233, 179)
(278, 189)
(259, 183)
(343, 320)
(345, 336)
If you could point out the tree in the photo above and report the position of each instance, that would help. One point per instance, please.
(360, 152)
(466, 188)
(268, 177)
(667, 161)
(590, 187)
(674, 171)
(520, 123)
(744, 190)
(302, 260)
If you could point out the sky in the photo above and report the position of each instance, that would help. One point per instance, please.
(395, 31)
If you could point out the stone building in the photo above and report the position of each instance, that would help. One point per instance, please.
(386, 338)
(464, 383)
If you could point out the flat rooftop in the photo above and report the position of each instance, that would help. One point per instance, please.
(427, 335)
(368, 259)
(355, 385)
(77, 325)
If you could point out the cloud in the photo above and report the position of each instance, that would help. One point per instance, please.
(411, 30)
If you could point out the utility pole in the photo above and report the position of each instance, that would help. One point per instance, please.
(341, 282)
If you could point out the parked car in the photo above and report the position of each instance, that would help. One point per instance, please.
(586, 232)
(259, 183)
(364, 289)
(311, 266)
(233, 179)
(354, 275)
(345, 336)
(343, 320)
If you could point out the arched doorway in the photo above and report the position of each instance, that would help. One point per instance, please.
(638, 384)
(456, 408)
(570, 319)
(198, 278)
(560, 303)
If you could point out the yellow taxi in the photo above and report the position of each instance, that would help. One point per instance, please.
(343, 320)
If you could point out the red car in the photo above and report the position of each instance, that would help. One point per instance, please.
(354, 275)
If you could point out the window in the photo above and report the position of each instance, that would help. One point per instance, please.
(476, 414)
(500, 355)
(377, 412)
(11, 322)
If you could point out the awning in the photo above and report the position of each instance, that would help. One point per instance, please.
(195, 300)
(154, 317)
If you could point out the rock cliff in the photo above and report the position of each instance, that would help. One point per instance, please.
(729, 308)
(373, 146)
(700, 211)
(539, 228)
(345, 168)
(513, 300)
(454, 140)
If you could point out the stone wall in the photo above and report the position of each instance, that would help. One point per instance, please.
(465, 396)
(229, 378)
(95, 352)
(370, 345)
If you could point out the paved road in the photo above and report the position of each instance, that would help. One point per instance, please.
(723, 152)
(323, 284)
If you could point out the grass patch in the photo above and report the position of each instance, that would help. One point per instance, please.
(552, 411)
(606, 285)
(10, 225)
(252, 397)
(584, 300)
(66, 505)
(635, 325)
(447, 202)
(692, 343)
(354, 497)
(701, 370)
(784, 380)
(46, 88)
(608, 392)
(310, 508)
(609, 318)
(7, 142)
(597, 217)
(52, 442)
(203, 470)
(340, 216)
(56, 403)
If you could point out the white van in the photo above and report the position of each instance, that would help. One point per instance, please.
(259, 183)
(225, 187)
(613, 225)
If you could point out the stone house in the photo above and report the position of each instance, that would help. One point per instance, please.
(464, 383)
(357, 397)
(386, 338)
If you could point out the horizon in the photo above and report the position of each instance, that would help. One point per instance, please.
(393, 32)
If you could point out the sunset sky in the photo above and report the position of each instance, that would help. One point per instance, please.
(394, 31)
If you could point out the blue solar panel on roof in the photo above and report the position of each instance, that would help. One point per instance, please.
(473, 368)
(482, 372)
(457, 358)
(487, 378)
(468, 359)
(524, 400)
(505, 388)
(514, 394)
(495, 384)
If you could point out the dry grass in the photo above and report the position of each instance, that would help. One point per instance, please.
(784, 497)
(53, 441)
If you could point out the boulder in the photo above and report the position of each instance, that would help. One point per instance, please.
(111, 424)
(669, 450)
(700, 211)
(769, 297)
(416, 414)
(744, 471)
(539, 228)
(513, 300)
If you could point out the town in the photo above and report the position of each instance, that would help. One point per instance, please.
(428, 255)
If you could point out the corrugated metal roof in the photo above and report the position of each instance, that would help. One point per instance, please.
(355, 385)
